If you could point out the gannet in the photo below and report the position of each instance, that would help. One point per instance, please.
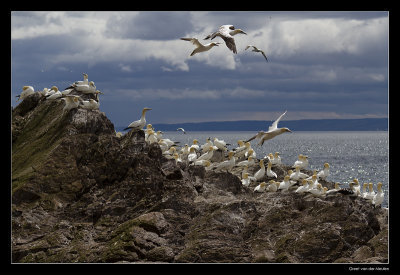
(260, 173)
(55, 95)
(245, 170)
(181, 129)
(270, 157)
(71, 102)
(221, 144)
(270, 173)
(151, 138)
(195, 145)
(90, 104)
(66, 92)
(379, 196)
(273, 186)
(139, 124)
(169, 152)
(203, 162)
(200, 47)
(347, 191)
(185, 150)
(302, 162)
(260, 187)
(356, 187)
(227, 164)
(177, 158)
(324, 173)
(85, 80)
(257, 50)
(192, 156)
(364, 191)
(52, 90)
(303, 188)
(226, 32)
(86, 88)
(249, 161)
(26, 90)
(251, 153)
(207, 146)
(207, 155)
(335, 190)
(277, 159)
(241, 151)
(314, 182)
(285, 184)
(246, 180)
(273, 131)
(371, 193)
(298, 175)
(319, 191)
(158, 134)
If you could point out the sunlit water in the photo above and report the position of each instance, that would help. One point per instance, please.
(363, 155)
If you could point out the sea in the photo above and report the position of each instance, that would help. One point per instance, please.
(363, 154)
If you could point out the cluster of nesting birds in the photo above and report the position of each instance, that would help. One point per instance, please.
(80, 94)
(226, 32)
(244, 156)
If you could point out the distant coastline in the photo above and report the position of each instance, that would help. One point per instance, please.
(363, 124)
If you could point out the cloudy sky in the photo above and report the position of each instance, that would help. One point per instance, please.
(321, 64)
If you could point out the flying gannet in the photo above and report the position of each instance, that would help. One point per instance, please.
(139, 124)
(181, 129)
(379, 196)
(200, 47)
(257, 50)
(273, 131)
(226, 32)
(26, 90)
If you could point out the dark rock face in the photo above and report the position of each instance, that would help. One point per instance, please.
(81, 194)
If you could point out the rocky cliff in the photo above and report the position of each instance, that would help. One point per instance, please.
(82, 194)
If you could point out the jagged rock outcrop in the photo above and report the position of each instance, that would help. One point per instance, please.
(81, 194)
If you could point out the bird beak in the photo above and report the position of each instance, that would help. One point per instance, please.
(244, 33)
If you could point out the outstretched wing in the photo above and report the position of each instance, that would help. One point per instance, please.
(194, 41)
(274, 125)
(264, 55)
(259, 135)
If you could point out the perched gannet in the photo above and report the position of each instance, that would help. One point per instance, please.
(192, 156)
(181, 129)
(273, 131)
(246, 180)
(221, 144)
(303, 188)
(139, 124)
(169, 153)
(207, 146)
(347, 191)
(249, 161)
(227, 164)
(260, 187)
(277, 159)
(158, 134)
(86, 88)
(257, 50)
(371, 193)
(335, 190)
(379, 196)
(356, 187)
(226, 32)
(270, 157)
(324, 173)
(55, 95)
(260, 173)
(364, 190)
(177, 158)
(270, 173)
(314, 182)
(241, 151)
(207, 155)
(203, 162)
(185, 150)
(285, 184)
(273, 186)
(151, 138)
(298, 175)
(245, 170)
(200, 47)
(319, 191)
(195, 145)
(251, 153)
(85, 80)
(66, 92)
(26, 90)
(90, 104)
(52, 90)
(71, 102)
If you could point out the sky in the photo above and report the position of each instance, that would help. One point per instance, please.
(322, 64)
